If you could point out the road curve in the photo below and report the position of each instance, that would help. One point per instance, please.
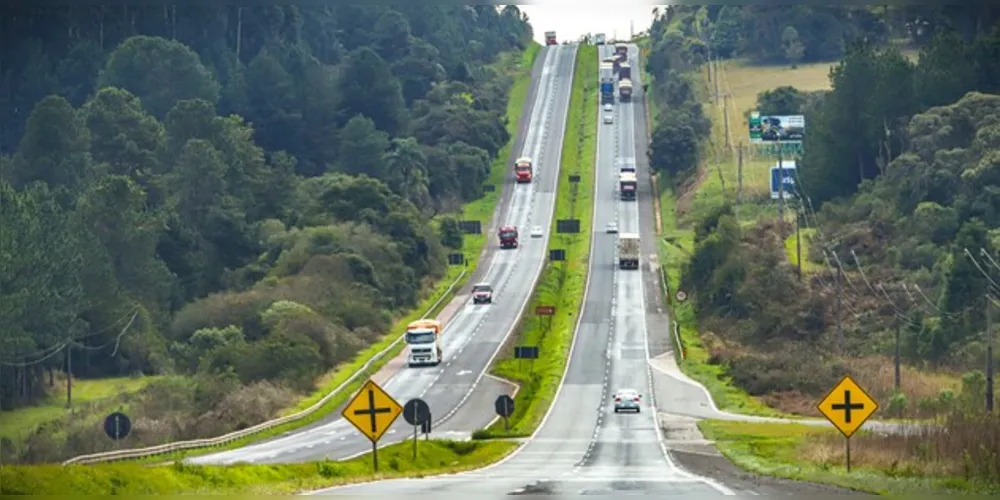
(582, 446)
(475, 333)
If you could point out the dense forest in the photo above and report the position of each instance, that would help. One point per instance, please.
(239, 194)
(897, 180)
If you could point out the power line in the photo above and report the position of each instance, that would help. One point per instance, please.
(74, 343)
(46, 353)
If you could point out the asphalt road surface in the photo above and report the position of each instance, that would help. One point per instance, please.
(476, 332)
(582, 446)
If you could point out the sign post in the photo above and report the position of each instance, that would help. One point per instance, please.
(504, 406)
(416, 412)
(372, 411)
(847, 407)
(546, 311)
(117, 426)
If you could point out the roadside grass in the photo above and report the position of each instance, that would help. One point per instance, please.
(98, 396)
(561, 283)
(433, 457)
(519, 66)
(933, 463)
(715, 183)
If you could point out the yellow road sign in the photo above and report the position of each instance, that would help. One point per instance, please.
(372, 411)
(847, 406)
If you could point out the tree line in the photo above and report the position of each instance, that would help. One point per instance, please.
(895, 181)
(242, 194)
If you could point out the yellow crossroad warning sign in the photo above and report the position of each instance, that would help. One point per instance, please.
(847, 406)
(372, 411)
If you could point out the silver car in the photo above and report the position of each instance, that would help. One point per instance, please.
(608, 119)
(627, 400)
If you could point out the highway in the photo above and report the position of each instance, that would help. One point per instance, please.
(582, 446)
(475, 333)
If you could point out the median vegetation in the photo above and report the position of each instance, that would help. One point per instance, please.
(434, 457)
(953, 458)
(561, 284)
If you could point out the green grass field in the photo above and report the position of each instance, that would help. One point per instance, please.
(561, 284)
(93, 396)
(434, 457)
(817, 454)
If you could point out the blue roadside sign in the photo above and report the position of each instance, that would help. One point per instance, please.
(788, 176)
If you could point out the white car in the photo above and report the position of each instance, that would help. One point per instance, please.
(627, 400)
(612, 227)
(608, 108)
(608, 119)
(536, 232)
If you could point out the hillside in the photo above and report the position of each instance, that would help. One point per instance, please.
(893, 185)
(236, 198)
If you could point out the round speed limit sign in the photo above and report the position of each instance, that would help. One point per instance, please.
(681, 295)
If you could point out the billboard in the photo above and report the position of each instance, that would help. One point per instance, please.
(788, 176)
(776, 128)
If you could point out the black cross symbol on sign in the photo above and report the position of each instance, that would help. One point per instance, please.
(371, 411)
(847, 407)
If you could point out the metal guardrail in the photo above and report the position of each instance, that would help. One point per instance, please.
(176, 446)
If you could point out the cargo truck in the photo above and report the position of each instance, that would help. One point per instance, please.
(607, 92)
(625, 71)
(423, 340)
(507, 236)
(627, 185)
(616, 63)
(622, 49)
(523, 169)
(550, 38)
(599, 39)
(606, 72)
(628, 251)
(625, 90)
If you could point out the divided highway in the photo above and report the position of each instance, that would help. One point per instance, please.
(582, 446)
(475, 333)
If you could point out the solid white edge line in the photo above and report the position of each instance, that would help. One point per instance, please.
(649, 373)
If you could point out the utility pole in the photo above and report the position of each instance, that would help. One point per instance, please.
(781, 191)
(725, 116)
(989, 354)
(840, 307)
(798, 242)
(896, 373)
(739, 175)
(69, 374)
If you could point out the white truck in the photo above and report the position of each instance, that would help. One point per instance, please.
(423, 339)
(628, 251)
(600, 39)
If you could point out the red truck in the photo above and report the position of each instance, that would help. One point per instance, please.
(508, 236)
(522, 169)
(550, 38)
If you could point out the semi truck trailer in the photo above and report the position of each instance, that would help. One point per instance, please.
(625, 90)
(423, 340)
(627, 185)
(599, 39)
(523, 169)
(508, 236)
(607, 92)
(628, 251)
(625, 71)
(550, 38)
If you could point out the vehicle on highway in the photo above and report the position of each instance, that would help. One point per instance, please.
(627, 185)
(625, 90)
(608, 108)
(628, 251)
(608, 119)
(508, 236)
(482, 293)
(523, 169)
(627, 400)
(536, 232)
(612, 228)
(423, 338)
(550, 38)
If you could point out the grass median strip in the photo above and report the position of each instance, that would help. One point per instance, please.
(886, 465)
(561, 283)
(434, 457)
(481, 210)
